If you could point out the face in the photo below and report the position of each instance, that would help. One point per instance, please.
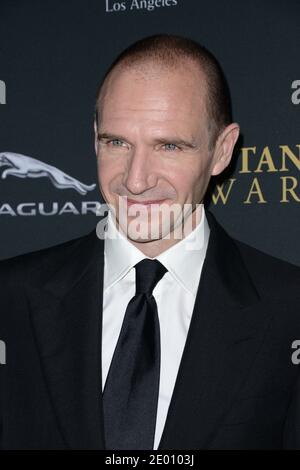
(152, 144)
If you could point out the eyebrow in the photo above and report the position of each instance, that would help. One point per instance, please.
(164, 140)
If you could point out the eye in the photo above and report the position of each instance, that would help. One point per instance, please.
(116, 142)
(169, 146)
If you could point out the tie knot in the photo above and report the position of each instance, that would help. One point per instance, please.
(148, 273)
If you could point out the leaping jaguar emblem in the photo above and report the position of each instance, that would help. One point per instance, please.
(23, 166)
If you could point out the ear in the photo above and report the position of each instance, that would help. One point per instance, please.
(95, 136)
(224, 147)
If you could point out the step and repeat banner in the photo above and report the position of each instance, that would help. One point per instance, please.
(53, 54)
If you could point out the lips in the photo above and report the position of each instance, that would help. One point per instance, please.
(144, 203)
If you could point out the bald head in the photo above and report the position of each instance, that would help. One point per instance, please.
(166, 54)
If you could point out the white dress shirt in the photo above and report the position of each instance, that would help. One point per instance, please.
(175, 296)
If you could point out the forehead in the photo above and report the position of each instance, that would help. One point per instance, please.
(155, 95)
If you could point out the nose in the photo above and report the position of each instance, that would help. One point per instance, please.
(140, 173)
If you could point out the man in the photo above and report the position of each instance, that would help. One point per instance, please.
(135, 338)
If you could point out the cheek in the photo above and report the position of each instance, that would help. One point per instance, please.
(189, 181)
(107, 171)
(184, 179)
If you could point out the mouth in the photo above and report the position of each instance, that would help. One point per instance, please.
(148, 203)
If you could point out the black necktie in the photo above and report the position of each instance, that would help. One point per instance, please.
(130, 394)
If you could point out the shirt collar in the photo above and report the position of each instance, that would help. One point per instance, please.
(183, 260)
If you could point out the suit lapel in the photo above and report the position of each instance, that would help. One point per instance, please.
(226, 330)
(67, 319)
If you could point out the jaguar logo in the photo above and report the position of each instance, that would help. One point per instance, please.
(23, 166)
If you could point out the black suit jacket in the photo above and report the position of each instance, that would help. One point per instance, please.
(237, 387)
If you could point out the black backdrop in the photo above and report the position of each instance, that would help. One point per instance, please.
(52, 56)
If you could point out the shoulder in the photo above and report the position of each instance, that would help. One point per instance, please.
(270, 274)
(24, 278)
(41, 261)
